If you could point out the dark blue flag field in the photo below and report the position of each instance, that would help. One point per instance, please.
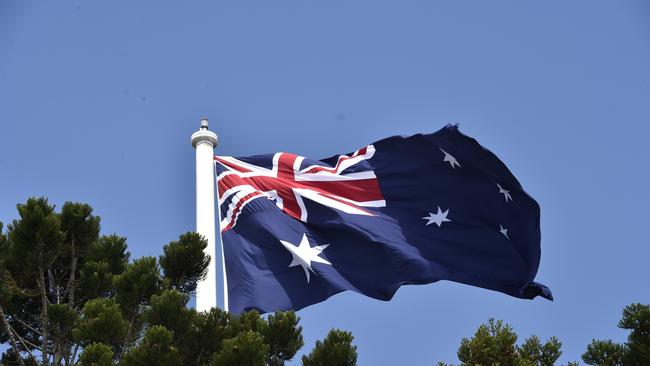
(403, 210)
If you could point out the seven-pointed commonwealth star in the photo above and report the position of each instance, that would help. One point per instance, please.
(451, 159)
(506, 193)
(304, 254)
(437, 218)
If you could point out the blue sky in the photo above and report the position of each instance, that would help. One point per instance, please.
(98, 101)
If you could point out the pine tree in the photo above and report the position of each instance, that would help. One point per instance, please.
(284, 337)
(635, 352)
(69, 296)
(604, 353)
(65, 289)
(335, 350)
(495, 344)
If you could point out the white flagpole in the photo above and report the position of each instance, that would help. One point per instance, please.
(204, 141)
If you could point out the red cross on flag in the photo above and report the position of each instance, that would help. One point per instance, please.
(288, 183)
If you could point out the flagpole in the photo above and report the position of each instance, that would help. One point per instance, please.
(204, 142)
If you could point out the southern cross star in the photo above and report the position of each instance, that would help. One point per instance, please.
(304, 254)
(504, 231)
(437, 218)
(506, 193)
(451, 159)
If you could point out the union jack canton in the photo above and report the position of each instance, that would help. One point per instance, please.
(286, 184)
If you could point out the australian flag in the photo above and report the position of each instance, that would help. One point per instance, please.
(403, 210)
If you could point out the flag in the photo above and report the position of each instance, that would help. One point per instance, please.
(400, 211)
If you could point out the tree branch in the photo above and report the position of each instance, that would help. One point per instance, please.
(25, 324)
(26, 343)
(12, 339)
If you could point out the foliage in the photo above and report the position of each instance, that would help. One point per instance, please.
(184, 262)
(533, 352)
(77, 296)
(64, 287)
(335, 350)
(284, 337)
(636, 351)
(495, 344)
(636, 319)
(156, 348)
(11, 358)
(101, 321)
(97, 354)
(169, 310)
(137, 284)
(604, 353)
(245, 349)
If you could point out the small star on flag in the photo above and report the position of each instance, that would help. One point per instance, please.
(451, 159)
(504, 231)
(437, 218)
(505, 192)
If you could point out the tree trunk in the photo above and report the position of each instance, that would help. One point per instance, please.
(129, 330)
(54, 289)
(69, 291)
(44, 317)
(10, 333)
(71, 281)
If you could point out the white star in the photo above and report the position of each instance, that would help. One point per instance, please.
(449, 158)
(437, 218)
(504, 231)
(506, 193)
(304, 254)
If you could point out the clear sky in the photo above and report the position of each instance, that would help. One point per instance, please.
(98, 101)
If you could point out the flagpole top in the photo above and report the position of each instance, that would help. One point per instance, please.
(203, 135)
